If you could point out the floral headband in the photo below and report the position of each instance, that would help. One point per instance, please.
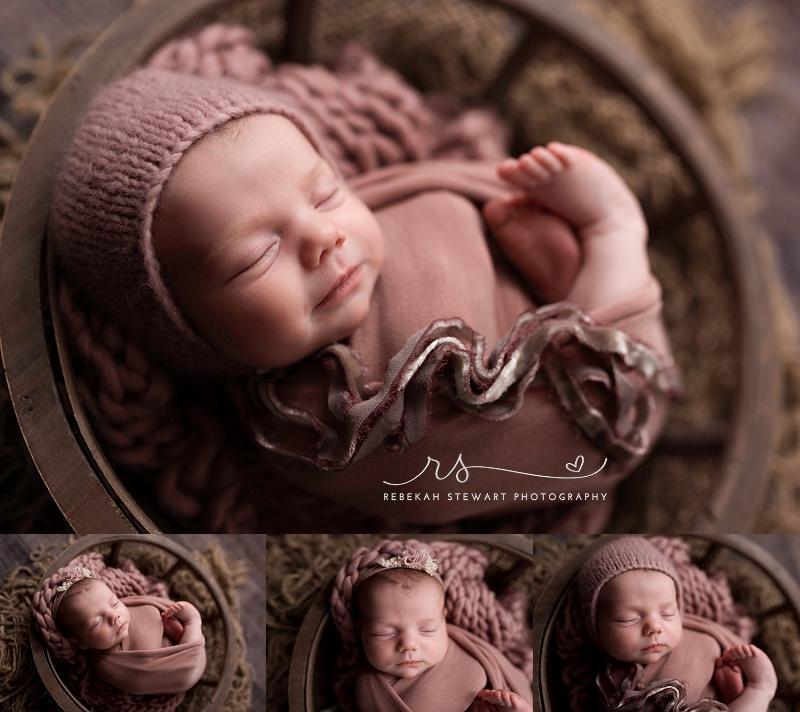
(419, 560)
(69, 578)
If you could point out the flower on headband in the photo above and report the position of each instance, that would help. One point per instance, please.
(417, 560)
(71, 577)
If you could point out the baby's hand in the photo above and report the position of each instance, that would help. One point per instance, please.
(539, 244)
(173, 628)
(728, 680)
(754, 663)
(498, 700)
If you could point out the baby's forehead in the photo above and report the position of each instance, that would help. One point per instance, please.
(89, 590)
(382, 588)
(638, 585)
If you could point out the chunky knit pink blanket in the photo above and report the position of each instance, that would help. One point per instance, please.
(131, 585)
(712, 620)
(472, 608)
(205, 469)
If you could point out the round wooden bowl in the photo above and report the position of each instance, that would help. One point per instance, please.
(312, 670)
(547, 610)
(219, 681)
(55, 427)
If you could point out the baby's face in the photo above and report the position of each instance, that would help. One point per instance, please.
(96, 618)
(403, 631)
(638, 618)
(269, 253)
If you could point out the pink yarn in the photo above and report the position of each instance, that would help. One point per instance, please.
(469, 602)
(702, 595)
(145, 424)
(366, 114)
(125, 580)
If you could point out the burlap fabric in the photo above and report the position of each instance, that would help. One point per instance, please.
(718, 66)
(23, 690)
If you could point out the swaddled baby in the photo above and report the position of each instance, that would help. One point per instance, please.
(413, 659)
(660, 657)
(208, 218)
(142, 645)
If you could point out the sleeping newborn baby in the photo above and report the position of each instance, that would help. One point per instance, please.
(209, 218)
(415, 660)
(142, 645)
(631, 596)
(272, 241)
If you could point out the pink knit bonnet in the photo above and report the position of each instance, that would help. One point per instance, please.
(108, 187)
(614, 558)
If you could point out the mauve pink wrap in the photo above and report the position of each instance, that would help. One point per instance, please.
(634, 687)
(469, 666)
(382, 420)
(168, 669)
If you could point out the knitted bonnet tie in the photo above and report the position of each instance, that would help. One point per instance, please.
(615, 558)
(108, 187)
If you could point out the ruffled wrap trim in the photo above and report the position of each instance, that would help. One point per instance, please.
(449, 358)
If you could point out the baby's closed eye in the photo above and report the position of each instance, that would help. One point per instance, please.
(327, 198)
(260, 256)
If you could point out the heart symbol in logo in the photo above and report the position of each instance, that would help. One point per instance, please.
(576, 466)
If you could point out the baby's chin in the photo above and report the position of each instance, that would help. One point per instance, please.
(653, 657)
(408, 672)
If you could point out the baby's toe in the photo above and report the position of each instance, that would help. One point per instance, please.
(533, 168)
(565, 153)
(547, 159)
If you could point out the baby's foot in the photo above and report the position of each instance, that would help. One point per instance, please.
(538, 243)
(728, 680)
(754, 664)
(577, 185)
(497, 700)
(591, 196)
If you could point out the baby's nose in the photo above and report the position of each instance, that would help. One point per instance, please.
(319, 242)
(408, 642)
(653, 628)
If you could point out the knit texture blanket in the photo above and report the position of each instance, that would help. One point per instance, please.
(711, 620)
(492, 629)
(469, 666)
(125, 581)
(169, 669)
(370, 118)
